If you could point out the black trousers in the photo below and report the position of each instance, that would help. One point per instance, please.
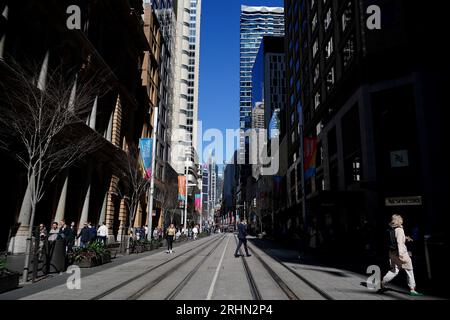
(242, 241)
(169, 242)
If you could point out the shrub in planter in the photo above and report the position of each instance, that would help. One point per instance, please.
(9, 280)
(156, 243)
(93, 255)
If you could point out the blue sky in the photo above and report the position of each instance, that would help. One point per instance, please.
(219, 62)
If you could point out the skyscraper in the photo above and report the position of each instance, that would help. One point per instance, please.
(185, 111)
(255, 23)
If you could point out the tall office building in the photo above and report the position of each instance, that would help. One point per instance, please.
(185, 111)
(255, 23)
(372, 103)
(205, 189)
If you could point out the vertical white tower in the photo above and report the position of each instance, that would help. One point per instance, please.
(185, 111)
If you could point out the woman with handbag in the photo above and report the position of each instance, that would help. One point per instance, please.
(399, 256)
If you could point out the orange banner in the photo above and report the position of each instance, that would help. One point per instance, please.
(181, 190)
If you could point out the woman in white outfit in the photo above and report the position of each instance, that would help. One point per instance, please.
(400, 259)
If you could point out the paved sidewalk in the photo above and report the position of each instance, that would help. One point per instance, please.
(15, 262)
(339, 283)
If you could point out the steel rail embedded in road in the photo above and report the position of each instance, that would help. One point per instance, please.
(256, 295)
(188, 277)
(124, 283)
(163, 276)
(303, 279)
(283, 286)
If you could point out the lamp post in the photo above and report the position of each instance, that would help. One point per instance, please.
(186, 197)
(152, 177)
(186, 194)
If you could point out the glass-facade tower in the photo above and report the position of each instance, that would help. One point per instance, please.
(255, 23)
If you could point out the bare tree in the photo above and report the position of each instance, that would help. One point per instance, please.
(41, 126)
(169, 200)
(134, 183)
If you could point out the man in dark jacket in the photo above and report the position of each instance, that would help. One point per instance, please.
(85, 235)
(242, 236)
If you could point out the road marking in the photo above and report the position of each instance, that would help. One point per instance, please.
(213, 283)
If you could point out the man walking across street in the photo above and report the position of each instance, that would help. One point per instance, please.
(242, 236)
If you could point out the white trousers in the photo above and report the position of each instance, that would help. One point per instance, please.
(395, 271)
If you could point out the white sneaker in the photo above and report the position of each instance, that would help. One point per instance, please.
(170, 251)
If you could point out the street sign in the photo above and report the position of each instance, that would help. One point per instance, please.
(403, 201)
(399, 159)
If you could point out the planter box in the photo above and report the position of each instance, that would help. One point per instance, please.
(9, 281)
(106, 258)
(90, 263)
(86, 263)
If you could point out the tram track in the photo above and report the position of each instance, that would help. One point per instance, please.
(174, 293)
(144, 273)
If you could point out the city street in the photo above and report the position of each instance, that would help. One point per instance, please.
(207, 269)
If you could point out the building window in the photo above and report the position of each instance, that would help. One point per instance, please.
(317, 100)
(327, 21)
(316, 73)
(315, 48)
(347, 16)
(356, 164)
(349, 51)
(314, 23)
(330, 78)
(319, 128)
(329, 48)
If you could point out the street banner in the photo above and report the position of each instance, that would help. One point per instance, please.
(181, 191)
(198, 202)
(310, 152)
(146, 148)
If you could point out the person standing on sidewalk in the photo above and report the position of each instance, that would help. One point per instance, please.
(170, 232)
(195, 232)
(242, 236)
(399, 257)
(103, 233)
(85, 235)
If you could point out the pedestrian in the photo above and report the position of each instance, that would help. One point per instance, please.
(242, 236)
(398, 254)
(92, 232)
(146, 231)
(62, 229)
(102, 233)
(195, 232)
(71, 234)
(142, 233)
(170, 233)
(54, 232)
(42, 238)
(156, 234)
(85, 235)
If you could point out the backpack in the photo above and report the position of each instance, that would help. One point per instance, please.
(391, 240)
